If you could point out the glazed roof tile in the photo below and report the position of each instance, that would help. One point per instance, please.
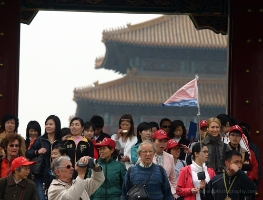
(139, 88)
(175, 31)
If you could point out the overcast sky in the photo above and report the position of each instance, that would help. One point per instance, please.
(57, 54)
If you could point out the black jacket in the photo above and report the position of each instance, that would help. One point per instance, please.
(46, 144)
(101, 137)
(242, 186)
(84, 148)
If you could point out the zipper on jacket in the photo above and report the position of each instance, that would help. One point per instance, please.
(106, 173)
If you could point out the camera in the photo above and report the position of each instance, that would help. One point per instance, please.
(91, 163)
(201, 175)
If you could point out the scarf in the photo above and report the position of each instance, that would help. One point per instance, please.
(215, 156)
(195, 169)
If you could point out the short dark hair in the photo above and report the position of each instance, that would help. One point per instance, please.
(196, 149)
(88, 124)
(33, 125)
(7, 117)
(224, 118)
(154, 124)
(97, 121)
(164, 119)
(61, 148)
(11, 138)
(245, 125)
(230, 154)
(57, 124)
(142, 127)
(79, 119)
(64, 131)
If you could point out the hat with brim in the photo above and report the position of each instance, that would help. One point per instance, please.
(20, 161)
(106, 142)
(236, 128)
(160, 134)
(172, 143)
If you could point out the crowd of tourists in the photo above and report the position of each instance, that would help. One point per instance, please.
(156, 161)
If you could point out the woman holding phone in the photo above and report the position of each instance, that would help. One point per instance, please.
(125, 139)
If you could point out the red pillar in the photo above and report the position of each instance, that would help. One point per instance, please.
(9, 56)
(245, 92)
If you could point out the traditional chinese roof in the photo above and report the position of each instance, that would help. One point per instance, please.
(168, 31)
(144, 88)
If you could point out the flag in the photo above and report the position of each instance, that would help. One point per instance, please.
(185, 96)
(192, 131)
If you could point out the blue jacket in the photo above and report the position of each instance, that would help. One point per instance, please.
(46, 144)
(158, 186)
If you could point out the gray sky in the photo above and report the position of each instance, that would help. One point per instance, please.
(57, 54)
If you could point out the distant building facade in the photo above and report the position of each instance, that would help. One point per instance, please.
(157, 57)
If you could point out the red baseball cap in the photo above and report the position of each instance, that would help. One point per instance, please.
(106, 142)
(236, 128)
(203, 123)
(172, 143)
(160, 134)
(20, 161)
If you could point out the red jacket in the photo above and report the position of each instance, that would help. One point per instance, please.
(253, 173)
(5, 167)
(185, 182)
(96, 152)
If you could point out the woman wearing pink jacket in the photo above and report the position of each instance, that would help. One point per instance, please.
(193, 178)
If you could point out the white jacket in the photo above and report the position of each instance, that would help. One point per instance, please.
(127, 148)
(80, 188)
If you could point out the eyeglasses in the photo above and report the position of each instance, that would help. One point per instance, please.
(13, 145)
(165, 126)
(147, 152)
(205, 152)
(235, 134)
(67, 166)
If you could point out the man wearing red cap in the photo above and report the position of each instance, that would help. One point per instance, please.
(16, 185)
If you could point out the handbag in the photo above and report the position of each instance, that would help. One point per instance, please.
(138, 191)
(39, 159)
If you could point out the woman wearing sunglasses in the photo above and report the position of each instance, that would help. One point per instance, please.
(196, 174)
(11, 145)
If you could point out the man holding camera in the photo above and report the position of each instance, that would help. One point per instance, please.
(64, 188)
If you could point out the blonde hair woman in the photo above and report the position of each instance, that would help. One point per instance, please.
(216, 147)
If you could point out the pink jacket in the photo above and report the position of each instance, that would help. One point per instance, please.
(185, 182)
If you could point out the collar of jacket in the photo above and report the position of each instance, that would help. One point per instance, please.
(83, 139)
(11, 181)
(103, 160)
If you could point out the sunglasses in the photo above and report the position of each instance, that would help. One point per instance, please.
(235, 134)
(13, 145)
(165, 126)
(67, 166)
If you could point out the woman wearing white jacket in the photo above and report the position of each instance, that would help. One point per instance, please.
(125, 139)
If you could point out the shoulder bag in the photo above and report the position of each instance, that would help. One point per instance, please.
(138, 191)
(39, 159)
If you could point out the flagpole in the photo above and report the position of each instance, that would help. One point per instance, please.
(198, 119)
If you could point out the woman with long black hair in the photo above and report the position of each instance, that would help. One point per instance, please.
(43, 145)
(178, 133)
